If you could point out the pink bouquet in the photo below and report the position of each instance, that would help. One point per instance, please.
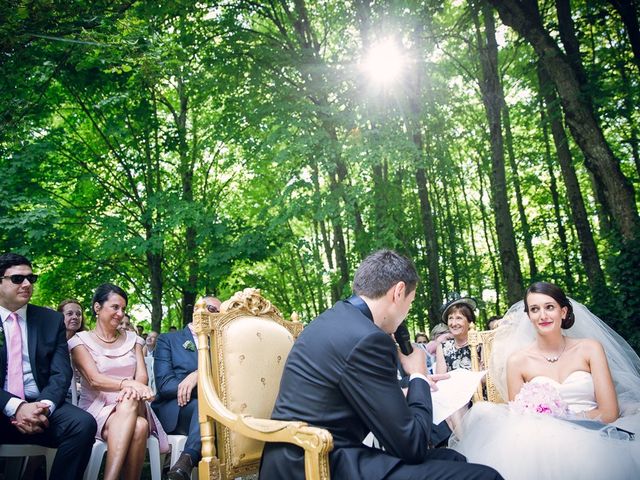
(539, 398)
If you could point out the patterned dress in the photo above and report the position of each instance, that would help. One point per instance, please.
(456, 357)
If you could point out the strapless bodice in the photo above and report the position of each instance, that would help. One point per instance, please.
(577, 390)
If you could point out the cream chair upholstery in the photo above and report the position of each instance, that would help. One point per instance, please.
(484, 340)
(241, 356)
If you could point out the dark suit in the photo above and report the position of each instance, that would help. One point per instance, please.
(172, 363)
(341, 375)
(70, 429)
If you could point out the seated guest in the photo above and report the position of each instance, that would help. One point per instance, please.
(439, 333)
(341, 375)
(73, 316)
(455, 353)
(126, 325)
(421, 338)
(553, 356)
(74, 322)
(150, 344)
(114, 385)
(176, 372)
(35, 374)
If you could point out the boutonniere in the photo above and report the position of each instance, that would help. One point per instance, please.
(189, 345)
(1, 337)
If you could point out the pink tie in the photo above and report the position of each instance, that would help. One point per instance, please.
(15, 379)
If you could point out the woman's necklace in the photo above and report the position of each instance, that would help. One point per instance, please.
(455, 342)
(554, 359)
(95, 332)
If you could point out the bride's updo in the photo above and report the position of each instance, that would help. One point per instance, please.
(557, 294)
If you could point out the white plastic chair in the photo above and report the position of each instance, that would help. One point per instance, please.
(100, 448)
(177, 443)
(148, 361)
(27, 450)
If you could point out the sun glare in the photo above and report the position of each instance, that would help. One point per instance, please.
(384, 62)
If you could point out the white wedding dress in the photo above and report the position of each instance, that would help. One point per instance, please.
(538, 446)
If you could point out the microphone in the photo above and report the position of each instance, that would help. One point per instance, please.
(403, 339)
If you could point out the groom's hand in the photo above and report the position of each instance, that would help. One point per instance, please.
(415, 362)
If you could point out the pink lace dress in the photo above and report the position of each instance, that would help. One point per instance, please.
(119, 362)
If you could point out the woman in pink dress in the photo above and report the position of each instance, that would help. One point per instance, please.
(114, 386)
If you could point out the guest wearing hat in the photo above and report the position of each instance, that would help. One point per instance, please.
(455, 353)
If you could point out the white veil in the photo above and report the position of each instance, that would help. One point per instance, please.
(516, 332)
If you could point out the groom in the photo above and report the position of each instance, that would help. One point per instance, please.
(35, 374)
(341, 375)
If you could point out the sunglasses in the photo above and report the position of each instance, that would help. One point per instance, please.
(213, 309)
(18, 279)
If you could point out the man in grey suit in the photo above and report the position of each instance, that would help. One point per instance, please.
(341, 375)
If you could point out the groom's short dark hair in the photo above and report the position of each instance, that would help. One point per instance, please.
(381, 270)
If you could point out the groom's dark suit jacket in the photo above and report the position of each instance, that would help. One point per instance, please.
(342, 375)
(48, 353)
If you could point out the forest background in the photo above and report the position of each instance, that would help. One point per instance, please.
(181, 148)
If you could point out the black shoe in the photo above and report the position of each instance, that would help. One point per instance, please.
(181, 470)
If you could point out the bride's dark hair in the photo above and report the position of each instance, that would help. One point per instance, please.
(557, 294)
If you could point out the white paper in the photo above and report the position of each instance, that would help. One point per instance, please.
(455, 392)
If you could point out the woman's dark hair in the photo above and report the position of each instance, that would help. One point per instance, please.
(67, 301)
(558, 295)
(103, 292)
(461, 307)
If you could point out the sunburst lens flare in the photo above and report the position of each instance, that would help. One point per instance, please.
(384, 62)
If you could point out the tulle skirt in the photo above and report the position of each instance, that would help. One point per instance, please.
(535, 446)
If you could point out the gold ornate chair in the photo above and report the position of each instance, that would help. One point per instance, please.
(484, 339)
(241, 356)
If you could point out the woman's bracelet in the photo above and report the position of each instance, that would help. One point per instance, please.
(121, 382)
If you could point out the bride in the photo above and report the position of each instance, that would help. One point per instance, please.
(589, 377)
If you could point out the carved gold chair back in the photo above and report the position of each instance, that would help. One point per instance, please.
(482, 341)
(241, 355)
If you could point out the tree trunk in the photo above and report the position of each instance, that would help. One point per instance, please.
(493, 101)
(488, 236)
(525, 19)
(526, 231)
(426, 212)
(566, 275)
(588, 250)
(629, 15)
(429, 232)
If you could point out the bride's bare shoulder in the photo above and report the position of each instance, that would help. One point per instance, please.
(585, 344)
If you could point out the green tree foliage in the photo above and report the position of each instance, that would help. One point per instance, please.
(187, 148)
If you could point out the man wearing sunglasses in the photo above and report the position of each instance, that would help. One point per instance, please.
(176, 403)
(35, 374)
